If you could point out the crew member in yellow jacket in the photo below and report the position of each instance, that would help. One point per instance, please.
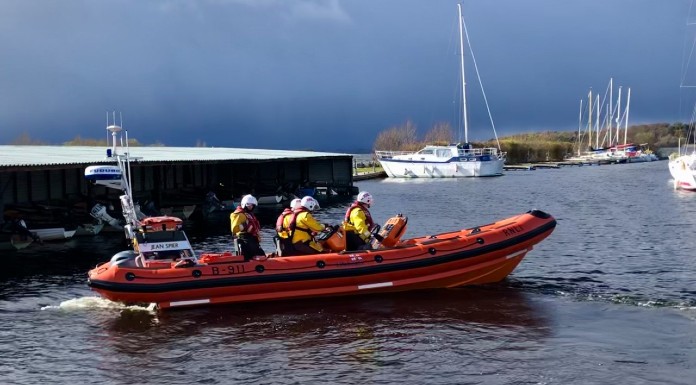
(245, 228)
(359, 224)
(282, 227)
(302, 226)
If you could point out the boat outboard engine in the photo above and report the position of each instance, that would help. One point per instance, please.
(124, 258)
(99, 212)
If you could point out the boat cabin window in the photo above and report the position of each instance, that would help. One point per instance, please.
(426, 151)
(444, 153)
(161, 236)
(166, 254)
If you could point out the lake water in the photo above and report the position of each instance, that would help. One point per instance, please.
(608, 298)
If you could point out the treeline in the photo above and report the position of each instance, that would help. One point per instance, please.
(549, 146)
(25, 140)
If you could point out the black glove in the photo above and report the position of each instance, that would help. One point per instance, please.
(379, 237)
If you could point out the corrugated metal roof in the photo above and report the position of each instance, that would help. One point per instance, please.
(14, 156)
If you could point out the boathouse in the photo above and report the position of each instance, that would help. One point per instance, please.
(52, 175)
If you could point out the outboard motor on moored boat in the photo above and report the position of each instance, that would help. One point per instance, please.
(99, 212)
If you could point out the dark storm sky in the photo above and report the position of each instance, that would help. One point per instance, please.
(327, 75)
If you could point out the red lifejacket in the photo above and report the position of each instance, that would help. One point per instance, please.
(281, 219)
(293, 221)
(368, 217)
(252, 225)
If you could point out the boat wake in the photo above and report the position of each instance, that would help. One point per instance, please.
(98, 303)
(579, 293)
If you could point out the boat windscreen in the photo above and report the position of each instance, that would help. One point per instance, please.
(161, 236)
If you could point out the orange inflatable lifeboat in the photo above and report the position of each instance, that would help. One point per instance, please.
(478, 255)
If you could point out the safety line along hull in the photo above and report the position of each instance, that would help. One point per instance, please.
(479, 255)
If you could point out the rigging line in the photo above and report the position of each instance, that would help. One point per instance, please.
(686, 63)
(478, 75)
(686, 60)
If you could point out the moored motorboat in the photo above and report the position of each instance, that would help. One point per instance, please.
(461, 160)
(54, 233)
(471, 256)
(456, 160)
(14, 235)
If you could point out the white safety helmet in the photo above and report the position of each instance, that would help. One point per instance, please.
(249, 200)
(309, 203)
(365, 197)
(295, 203)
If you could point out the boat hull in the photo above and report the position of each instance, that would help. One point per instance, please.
(683, 171)
(451, 169)
(53, 233)
(467, 257)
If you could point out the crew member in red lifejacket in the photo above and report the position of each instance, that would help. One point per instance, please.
(302, 226)
(358, 223)
(282, 230)
(245, 228)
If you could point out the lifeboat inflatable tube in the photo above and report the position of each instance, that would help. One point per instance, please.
(472, 256)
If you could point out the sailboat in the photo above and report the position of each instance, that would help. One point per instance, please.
(454, 160)
(604, 147)
(682, 165)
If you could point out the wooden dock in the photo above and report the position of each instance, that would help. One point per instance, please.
(369, 175)
(530, 166)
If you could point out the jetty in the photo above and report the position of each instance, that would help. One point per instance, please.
(169, 176)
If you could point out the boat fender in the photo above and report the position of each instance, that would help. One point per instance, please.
(259, 269)
(321, 264)
(378, 258)
(432, 251)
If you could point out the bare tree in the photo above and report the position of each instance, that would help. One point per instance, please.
(440, 134)
(25, 140)
(398, 138)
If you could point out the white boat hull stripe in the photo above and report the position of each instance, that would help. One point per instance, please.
(187, 303)
(375, 285)
(513, 255)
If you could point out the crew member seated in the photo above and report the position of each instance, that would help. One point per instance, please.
(302, 225)
(282, 229)
(358, 223)
(245, 228)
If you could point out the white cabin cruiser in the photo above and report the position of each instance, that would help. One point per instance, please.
(455, 160)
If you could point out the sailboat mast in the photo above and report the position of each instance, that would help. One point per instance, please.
(618, 116)
(597, 123)
(628, 104)
(579, 127)
(589, 118)
(461, 51)
(611, 111)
